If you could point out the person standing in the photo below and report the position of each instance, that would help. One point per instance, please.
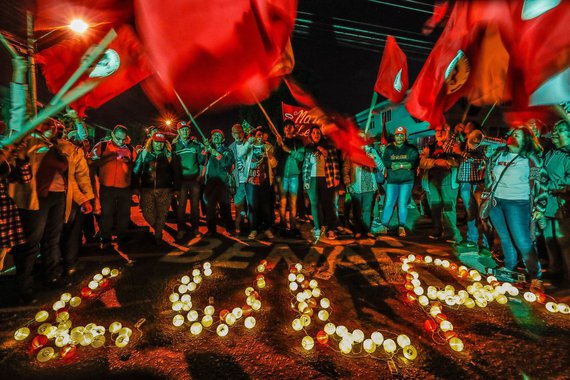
(290, 153)
(239, 149)
(114, 160)
(187, 160)
(154, 174)
(401, 162)
(440, 165)
(517, 179)
(217, 183)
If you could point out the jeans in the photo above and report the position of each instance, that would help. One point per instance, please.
(216, 193)
(288, 189)
(189, 190)
(322, 203)
(511, 219)
(401, 193)
(71, 237)
(442, 198)
(259, 206)
(470, 193)
(117, 201)
(362, 210)
(43, 227)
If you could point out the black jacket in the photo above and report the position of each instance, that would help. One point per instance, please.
(154, 171)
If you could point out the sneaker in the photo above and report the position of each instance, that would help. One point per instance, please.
(484, 251)
(331, 235)
(435, 236)
(317, 234)
(383, 230)
(357, 235)
(252, 235)
(401, 232)
(536, 286)
(269, 234)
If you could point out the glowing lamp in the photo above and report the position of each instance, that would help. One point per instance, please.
(209, 310)
(22, 333)
(224, 313)
(299, 267)
(358, 336)
(249, 322)
(41, 316)
(322, 338)
(377, 338)
(330, 328)
(313, 284)
(62, 340)
(293, 286)
(430, 325)
(114, 273)
(93, 285)
(405, 267)
(98, 330)
(78, 26)
(230, 319)
(261, 268)
(106, 271)
(185, 280)
(197, 279)
(456, 344)
(256, 305)
(469, 303)
(423, 300)
(403, 340)
(42, 329)
(195, 272)
(552, 307)
(247, 310)
(222, 330)
(261, 283)
(369, 346)
(445, 263)
(191, 286)
(308, 343)
(305, 320)
(449, 334)
(207, 265)
(115, 327)
(345, 346)
(563, 308)
(50, 332)
(182, 289)
(98, 341)
(68, 351)
(437, 262)
(481, 302)
(389, 346)
(192, 315)
(178, 320)
(410, 352)
(502, 299)
(39, 341)
(296, 324)
(300, 278)
(237, 312)
(323, 315)
(45, 354)
(341, 331)
(446, 326)
(300, 297)
(98, 277)
(325, 303)
(292, 277)
(309, 311)
(207, 272)
(428, 259)
(207, 320)
(434, 310)
(177, 306)
(196, 328)
(86, 339)
(75, 301)
(540, 297)
(419, 290)
(529, 296)
(186, 298)
(122, 341)
(307, 293)
(65, 297)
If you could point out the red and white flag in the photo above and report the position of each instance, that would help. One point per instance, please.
(392, 80)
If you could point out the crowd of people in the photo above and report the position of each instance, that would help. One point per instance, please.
(57, 191)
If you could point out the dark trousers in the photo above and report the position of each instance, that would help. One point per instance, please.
(71, 237)
(189, 190)
(260, 208)
(114, 202)
(322, 203)
(43, 227)
(362, 210)
(216, 194)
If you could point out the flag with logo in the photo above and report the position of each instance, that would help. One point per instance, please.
(392, 80)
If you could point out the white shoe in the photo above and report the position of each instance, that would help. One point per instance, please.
(252, 235)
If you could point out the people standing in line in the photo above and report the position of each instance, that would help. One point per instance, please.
(259, 163)
(290, 153)
(401, 161)
(440, 183)
(557, 214)
(239, 150)
(218, 179)
(187, 161)
(154, 176)
(517, 178)
(114, 160)
(360, 184)
(321, 175)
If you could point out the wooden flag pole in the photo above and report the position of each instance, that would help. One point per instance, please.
(488, 114)
(211, 105)
(271, 125)
(372, 104)
(189, 115)
(87, 61)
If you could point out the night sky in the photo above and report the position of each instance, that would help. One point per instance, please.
(338, 46)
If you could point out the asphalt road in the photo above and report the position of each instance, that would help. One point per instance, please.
(362, 279)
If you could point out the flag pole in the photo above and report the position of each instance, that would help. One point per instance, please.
(87, 61)
(372, 104)
(211, 105)
(189, 115)
(488, 114)
(562, 112)
(465, 113)
(8, 46)
(271, 125)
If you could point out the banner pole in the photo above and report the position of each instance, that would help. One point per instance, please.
(189, 115)
(372, 104)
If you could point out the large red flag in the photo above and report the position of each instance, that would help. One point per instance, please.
(203, 49)
(392, 80)
(59, 62)
(52, 14)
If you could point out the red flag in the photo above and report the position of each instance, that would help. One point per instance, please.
(58, 13)
(440, 9)
(302, 97)
(60, 62)
(203, 49)
(392, 80)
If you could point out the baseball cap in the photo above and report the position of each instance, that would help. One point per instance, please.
(181, 124)
(400, 131)
(217, 131)
(158, 137)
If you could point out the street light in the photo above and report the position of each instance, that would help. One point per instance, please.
(78, 26)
